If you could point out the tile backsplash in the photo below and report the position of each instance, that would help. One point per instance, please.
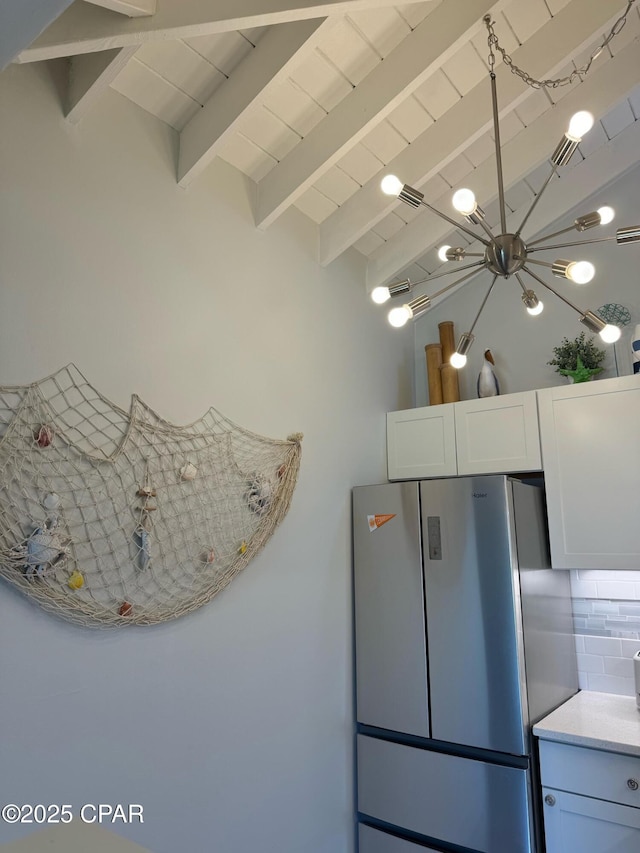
(606, 624)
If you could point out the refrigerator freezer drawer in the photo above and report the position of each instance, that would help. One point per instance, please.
(372, 840)
(445, 797)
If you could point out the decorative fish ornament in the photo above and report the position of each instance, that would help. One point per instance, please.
(141, 538)
(487, 384)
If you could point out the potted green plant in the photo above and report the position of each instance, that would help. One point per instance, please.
(579, 359)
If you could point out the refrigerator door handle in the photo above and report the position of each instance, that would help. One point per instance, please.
(434, 537)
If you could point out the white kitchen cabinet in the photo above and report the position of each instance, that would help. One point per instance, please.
(421, 443)
(591, 458)
(586, 825)
(591, 799)
(497, 435)
(494, 435)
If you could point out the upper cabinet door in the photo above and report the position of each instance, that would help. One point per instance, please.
(498, 435)
(421, 443)
(590, 436)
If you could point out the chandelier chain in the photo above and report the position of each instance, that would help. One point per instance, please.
(576, 74)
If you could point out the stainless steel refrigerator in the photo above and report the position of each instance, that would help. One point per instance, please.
(463, 640)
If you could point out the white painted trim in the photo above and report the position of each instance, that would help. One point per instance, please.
(422, 52)
(131, 8)
(543, 55)
(600, 90)
(281, 48)
(89, 76)
(85, 29)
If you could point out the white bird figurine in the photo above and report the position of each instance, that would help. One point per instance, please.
(487, 381)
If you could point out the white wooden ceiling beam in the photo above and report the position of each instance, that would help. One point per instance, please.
(281, 48)
(84, 28)
(90, 76)
(600, 90)
(131, 8)
(423, 51)
(604, 166)
(573, 29)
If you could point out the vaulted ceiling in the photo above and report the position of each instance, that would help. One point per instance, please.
(316, 101)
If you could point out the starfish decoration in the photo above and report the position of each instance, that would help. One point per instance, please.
(581, 373)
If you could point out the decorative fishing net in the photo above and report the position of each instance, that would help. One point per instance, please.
(109, 517)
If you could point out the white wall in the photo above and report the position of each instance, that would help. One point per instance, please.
(232, 726)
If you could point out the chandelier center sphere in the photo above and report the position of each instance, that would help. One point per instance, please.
(505, 255)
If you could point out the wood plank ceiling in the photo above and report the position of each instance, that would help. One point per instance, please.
(316, 101)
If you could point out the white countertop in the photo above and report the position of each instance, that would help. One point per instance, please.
(597, 720)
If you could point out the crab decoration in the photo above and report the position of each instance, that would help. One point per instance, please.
(259, 493)
(44, 550)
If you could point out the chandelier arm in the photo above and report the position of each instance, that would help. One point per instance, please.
(554, 291)
(484, 225)
(496, 139)
(537, 198)
(428, 278)
(540, 263)
(453, 222)
(453, 284)
(484, 302)
(453, 270)
(565, 245)
(521, 283)
(549, 236)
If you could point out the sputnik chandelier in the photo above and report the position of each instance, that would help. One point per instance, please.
(506, 254)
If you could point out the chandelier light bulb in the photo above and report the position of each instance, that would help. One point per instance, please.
(580, 272)
(610, 334)
(458, 360)
(606, 214)
(400, 316)
(580, 124)
(442, 253)
(532, 303)
(464, 202)
(391, 185)
(380, 295)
